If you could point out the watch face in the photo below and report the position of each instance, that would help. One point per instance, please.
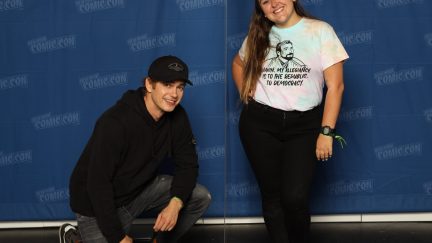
(326, 130)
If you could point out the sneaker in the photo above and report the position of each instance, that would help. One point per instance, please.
(146, 239)
(68, 234)
(154, 237)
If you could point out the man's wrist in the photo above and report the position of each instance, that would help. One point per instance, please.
(178, 200)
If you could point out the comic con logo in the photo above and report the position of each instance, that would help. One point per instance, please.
(234, 42)
(392, 76)
(56, 120)
(207, 78)
(389, 152)
(356, 38)
(211, 152)
(350, 187)
(234, 117)
(89, 6)
(396, 3)
(6, 5)
(428, 188)
(16, 81)
(97, 81)
(14, 158)
(187, 5)
(244, 189)
(428, 115)
(43, 44)
(428, 39)
(361, 113)
(312, 2)
(52, 195)
(144, 42)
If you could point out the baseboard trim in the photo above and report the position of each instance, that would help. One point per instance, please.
(383, 217)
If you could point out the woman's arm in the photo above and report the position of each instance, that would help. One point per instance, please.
(335, 87)
(333, 76)
(237, 72)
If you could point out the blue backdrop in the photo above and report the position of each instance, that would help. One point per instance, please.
(62, 63)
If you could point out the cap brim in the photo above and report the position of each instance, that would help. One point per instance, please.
(184, 80)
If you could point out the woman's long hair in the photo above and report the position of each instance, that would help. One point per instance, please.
(257, 46)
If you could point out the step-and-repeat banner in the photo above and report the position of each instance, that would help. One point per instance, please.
(62, 63)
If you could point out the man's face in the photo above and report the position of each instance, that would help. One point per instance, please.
(163, 97)
(287, 51)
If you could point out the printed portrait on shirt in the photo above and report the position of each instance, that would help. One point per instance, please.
(284, 67)
(284, 56)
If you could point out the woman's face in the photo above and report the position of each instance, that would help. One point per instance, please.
(280, 12)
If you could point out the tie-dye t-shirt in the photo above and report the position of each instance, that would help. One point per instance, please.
(292, 77)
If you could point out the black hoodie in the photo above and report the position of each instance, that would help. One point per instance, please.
(123, 155)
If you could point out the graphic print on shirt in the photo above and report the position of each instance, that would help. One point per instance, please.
(284, 69)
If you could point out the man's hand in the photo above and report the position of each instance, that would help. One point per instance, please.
(167, 219)
(127, 239)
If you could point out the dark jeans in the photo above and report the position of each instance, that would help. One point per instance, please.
(155, 196)
(280, 146)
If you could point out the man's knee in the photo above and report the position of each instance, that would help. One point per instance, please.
(201, 196)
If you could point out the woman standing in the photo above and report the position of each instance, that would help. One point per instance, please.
(280, 72)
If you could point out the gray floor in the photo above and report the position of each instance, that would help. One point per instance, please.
(256, 233)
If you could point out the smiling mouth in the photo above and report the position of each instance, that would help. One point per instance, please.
(278, 10)
(171, 102)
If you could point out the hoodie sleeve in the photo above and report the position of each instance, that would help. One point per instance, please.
(106, 152)
(185, 157)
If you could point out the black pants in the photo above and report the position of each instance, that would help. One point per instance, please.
(280, 146)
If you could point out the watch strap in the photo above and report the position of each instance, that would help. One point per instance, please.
(328, 131)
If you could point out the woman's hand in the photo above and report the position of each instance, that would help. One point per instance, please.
(324, 147)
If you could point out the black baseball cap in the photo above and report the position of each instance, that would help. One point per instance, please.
(169, 69)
